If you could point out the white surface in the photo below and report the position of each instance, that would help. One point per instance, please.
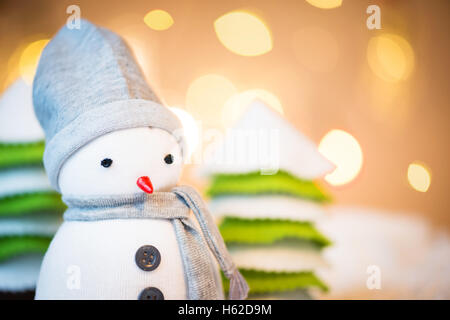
(267, 206)
(264, 141)
(41, 225)
(104, 253)
(277, 257)
(135, 153)
(413, 257)
(18, 122)
(23, 180)
(20, 273)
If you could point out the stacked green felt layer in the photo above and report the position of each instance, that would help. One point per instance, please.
(254, 183)
(30, 212)
(27, 203)
(261, 282)
(268, 231)
(17, 245)
(23, 204)
(34, 203)
(21, 154)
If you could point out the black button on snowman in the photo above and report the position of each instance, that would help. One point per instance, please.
(148, 258)
(151, 293)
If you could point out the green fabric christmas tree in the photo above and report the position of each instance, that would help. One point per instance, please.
(30, 211)
(267, 204)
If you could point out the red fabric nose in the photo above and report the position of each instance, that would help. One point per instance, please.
(145, 184)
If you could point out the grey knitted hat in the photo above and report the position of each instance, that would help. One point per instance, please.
(88, 84)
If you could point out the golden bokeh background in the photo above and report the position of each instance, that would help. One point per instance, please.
(382, 95)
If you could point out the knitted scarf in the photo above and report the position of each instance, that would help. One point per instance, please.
(174, 206)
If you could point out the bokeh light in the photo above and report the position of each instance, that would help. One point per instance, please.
(206, 97)
(390, 103)
(243, 33)
(390, 57)
(325, 4)
(190, 127)
(158, 20)
(344, 151)
(30, 58)
(316, 49)
(419, 177)
(238, 103)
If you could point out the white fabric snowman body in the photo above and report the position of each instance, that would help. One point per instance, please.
(108, 137)
(96, 260)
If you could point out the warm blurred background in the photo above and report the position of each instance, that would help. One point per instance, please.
(388, 88)
(380, 95)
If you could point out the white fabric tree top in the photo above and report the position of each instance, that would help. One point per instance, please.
(264, 141)
(18, 123)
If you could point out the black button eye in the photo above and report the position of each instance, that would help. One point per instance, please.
(168, 159)
(106, 163)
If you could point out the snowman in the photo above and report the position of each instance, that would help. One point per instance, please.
(116, 155)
